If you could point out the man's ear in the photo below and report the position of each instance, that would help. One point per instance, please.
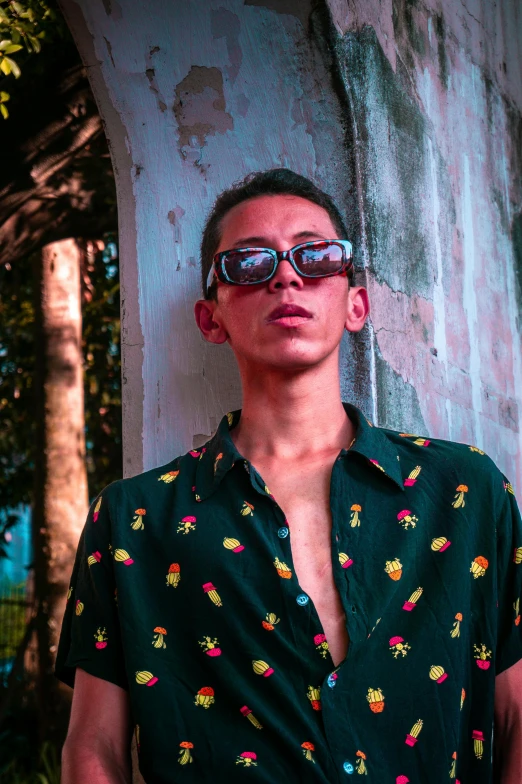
(208, 321)
(358, 308)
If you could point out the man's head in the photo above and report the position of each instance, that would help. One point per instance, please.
(276, 209)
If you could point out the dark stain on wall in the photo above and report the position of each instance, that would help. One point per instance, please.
(299, 8)
(440, 32)
(397, 402)
(200, 107)
(225, 24)
(390, 127)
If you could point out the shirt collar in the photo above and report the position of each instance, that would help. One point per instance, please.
(219, 454)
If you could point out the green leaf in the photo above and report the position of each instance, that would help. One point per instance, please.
(5, 43)
(13, 48)
(15, 69)
(3, 111)
(4, 96)
(4, 66)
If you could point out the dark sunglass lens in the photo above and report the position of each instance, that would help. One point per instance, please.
(322, 258)
(248, 266)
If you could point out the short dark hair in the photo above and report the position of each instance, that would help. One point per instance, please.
(273, 182)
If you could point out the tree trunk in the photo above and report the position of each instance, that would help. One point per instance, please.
(60, 498)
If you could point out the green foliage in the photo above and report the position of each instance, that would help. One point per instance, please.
(101, 351)
(23, 27)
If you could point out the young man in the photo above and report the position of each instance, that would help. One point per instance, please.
(308, 596)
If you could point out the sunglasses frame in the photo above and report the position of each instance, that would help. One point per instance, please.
(218, 267)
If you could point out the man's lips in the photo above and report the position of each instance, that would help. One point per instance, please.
(288, 310)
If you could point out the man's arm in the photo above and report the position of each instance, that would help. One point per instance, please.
(508, 726)
(97, 747)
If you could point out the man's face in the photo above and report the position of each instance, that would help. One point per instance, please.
(241, 315)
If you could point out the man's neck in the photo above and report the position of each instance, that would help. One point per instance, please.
(307, 426)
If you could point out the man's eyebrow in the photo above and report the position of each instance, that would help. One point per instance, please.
(245, 242)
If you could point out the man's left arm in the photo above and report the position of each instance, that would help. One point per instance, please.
(507, 747)
(507, 744)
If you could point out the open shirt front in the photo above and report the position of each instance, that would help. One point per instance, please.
(184, 593)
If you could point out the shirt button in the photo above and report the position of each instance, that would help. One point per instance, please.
(332, 679)
(347, 767)
(302, 599)
(283, 532)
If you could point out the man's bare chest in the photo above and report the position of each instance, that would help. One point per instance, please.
(304, 497)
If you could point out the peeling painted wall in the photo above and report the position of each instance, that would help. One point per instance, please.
(408, 113)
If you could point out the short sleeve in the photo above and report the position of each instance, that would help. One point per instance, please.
(90, 636)
(509, 581)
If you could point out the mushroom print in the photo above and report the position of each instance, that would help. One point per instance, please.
(185, 757)
(282, 569)
(174, 576)
(439, 544)
(186, 524)
(212, 594)
(307, 750)
(517, 557)
(462, 697)
(205, 697)
(216, 461)
(101, 638)
(375, 698)
(376, 464)
(398, 647)
(482, 655)
(411, 737)
(402, 780)
(453, 768)
(169, 477)
(509, 487)
(321, 645)
(354, 517)
(246, 711)
(437, 674)
(123, 557)
(345, 560)
(211, 647)
(455, 631)
(157, 640)
(247, 758)
(247, 509)
(144, 677)
(516, 608)
(476, 449)
(394, 569)
(69, 593)
(97, 509)
(314, 695)
(459, 497)
(137, 523)
(260, 667)
(412, 477)
(360, 763)
(479, 566)
(233, 544)
(271, 620)
(406, 519)
(79, 607)
(94, 558)
(478, 743)
(412, 601)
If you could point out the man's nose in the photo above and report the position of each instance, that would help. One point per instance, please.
(285, 275)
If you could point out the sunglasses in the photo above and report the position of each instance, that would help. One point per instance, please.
(248, 266)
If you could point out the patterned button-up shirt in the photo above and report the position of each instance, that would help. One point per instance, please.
(184, 593)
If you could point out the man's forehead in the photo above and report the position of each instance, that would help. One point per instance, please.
(259, 221)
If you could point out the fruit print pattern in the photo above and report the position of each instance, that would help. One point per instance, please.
(274, 622)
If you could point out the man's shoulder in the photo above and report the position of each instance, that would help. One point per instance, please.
(464, 459)
(148, 482)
